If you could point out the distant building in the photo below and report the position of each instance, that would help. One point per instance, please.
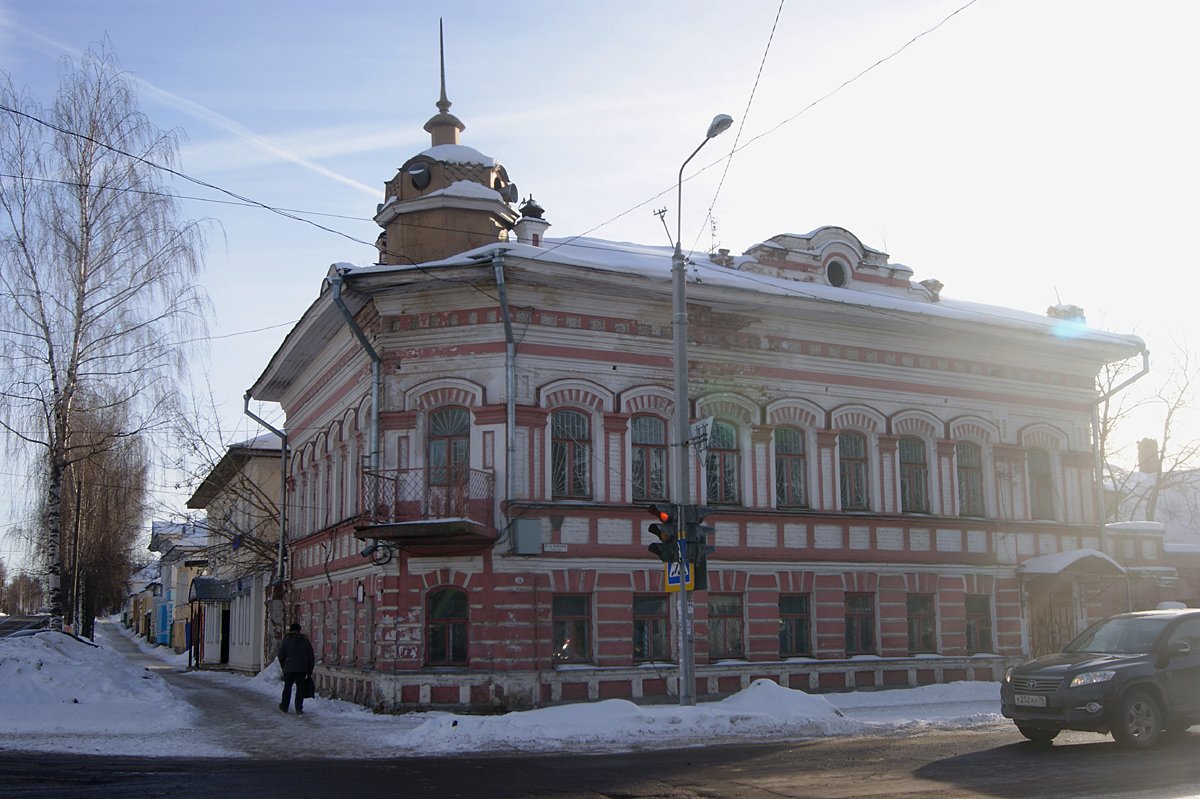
(241, 499)
(901, 483)
(181, 557)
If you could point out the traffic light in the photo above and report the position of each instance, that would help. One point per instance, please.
(697, 533)
(666, 529)
(698, 537)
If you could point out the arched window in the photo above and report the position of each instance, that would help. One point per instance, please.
(914, 476)
(852, 471)
(790, 468)
(649, 438)
(724, 464)
(1041, 485)
(446, 627)
(449, 444)
(571, 454)
(970, 478)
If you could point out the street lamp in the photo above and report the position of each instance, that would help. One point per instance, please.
(682, 481)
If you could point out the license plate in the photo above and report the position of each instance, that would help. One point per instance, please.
(1029, 700)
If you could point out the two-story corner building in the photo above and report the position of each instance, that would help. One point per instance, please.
(182, 557)
(902, 483)
(241, 498)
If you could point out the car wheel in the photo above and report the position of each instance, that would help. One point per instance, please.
(1139, 721)
(1039, 735)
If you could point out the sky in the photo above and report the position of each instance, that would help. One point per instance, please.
(1023, 152)
(63, 695)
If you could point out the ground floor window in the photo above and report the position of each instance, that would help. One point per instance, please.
(725, 626)
(572, 628)
(446, 627)
(922, 627)
(979, 623)
(860, 624)
(651, 626)
(794, 626)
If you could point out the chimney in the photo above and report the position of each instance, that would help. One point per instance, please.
(1149, 461)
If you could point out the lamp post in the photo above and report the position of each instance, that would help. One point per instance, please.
(682, 481)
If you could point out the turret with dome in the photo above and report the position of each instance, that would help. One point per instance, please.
(446, 199)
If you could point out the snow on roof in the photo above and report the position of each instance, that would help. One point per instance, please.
(458, 154)
(648, 260)
(1057, 562)
(1136, 527)
(466, 188)
(264, 441)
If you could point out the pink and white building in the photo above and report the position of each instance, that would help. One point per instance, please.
(902, 483)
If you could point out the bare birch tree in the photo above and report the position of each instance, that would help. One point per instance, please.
(97, 275)
(104, 498)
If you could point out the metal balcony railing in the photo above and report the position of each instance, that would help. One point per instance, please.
(404, 496)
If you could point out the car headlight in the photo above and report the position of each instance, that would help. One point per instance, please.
(1008, 674)
(1092, 677)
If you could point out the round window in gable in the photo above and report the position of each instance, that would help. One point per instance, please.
(836, 272)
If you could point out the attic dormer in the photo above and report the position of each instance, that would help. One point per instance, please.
(831, 256)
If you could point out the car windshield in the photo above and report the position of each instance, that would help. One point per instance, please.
(1119, 636)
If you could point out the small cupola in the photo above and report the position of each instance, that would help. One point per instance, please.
(447, 199)
(531, 227)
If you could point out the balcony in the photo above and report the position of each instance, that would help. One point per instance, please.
(429, 508)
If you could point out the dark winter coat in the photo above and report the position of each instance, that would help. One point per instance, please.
(296, 654)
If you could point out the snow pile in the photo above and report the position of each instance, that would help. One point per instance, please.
(61, 694)
(54, 683)
(763, 710)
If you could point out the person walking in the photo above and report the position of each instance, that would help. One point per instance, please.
(297, 660)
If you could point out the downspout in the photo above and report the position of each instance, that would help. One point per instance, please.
(1098, 456)
(335, 281)
(510, 381)
(281, 556)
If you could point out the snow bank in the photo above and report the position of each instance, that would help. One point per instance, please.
(53, 683)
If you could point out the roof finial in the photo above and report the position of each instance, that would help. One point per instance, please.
(443, 104)
(443, 127)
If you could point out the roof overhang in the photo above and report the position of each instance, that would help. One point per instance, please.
(1067, 564)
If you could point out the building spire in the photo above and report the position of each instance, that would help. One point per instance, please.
(444, 127)
(443, 104)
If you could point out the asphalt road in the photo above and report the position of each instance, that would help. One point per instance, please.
(993, 763)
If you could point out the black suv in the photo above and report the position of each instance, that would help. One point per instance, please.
(1135, 675)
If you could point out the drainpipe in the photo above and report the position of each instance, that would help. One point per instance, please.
(1097, 455)
(283, 460)
(335, 281)
(510, 379)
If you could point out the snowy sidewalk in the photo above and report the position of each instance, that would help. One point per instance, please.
(240, 716)
(126, 697)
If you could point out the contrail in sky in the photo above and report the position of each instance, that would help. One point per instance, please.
(203, 113)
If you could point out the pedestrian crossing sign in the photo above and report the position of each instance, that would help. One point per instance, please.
(671, 576)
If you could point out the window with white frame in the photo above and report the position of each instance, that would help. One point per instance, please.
(571, 454)
(1041, 484)
(724, 465)
(790, 471)
(648, 436)
(969, 458)
(914, 476)
(853, 471)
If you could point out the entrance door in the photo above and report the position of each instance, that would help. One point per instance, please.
(1051, 621)
(224, 635)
